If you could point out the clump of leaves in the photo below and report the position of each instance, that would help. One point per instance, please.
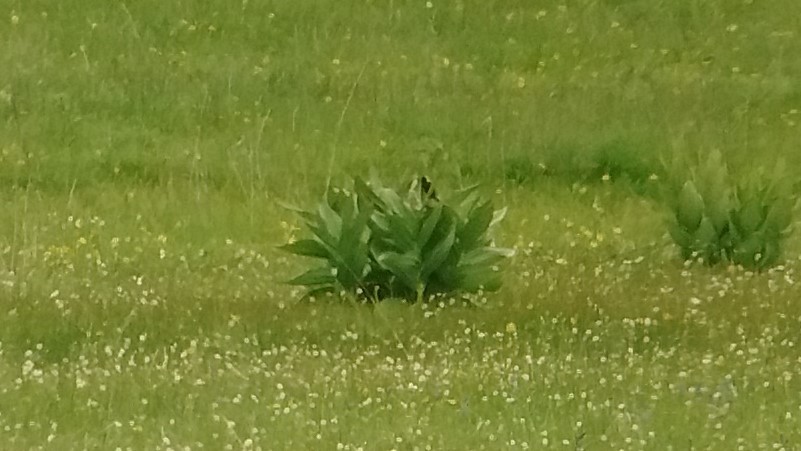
(340, 237)
(374, 241)
(713, 221)
(762, 219)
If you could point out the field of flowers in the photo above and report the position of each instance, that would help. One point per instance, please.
(146, 148)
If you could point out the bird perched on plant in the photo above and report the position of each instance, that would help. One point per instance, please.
(427, 191)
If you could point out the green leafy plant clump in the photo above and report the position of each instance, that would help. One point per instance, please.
(377, 243)
(715, 221)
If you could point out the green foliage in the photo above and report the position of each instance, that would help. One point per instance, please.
(376, 242)
(340, 237)
(763, 218)
(714, 222)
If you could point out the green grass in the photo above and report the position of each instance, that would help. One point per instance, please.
(144, 147)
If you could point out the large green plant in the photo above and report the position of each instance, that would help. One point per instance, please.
(381, 243)
(715, 221)
(701, 200)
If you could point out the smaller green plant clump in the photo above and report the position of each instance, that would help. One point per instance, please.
(377, 243)
(714, 221)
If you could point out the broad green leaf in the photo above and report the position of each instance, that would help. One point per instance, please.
(405, 267)
(497, 217)
(486, 256)
(330, 220)
(475, 228)
(750, 216)
(477, 277)
(706, 239)
(352, 250)
(712, 182)
(339, 200)
(308, 217)
(380, 222)
(468, 203)
(780, 215)
(389, 200)
(771, 253)
(450, 263)
(463, 199)
(352, 264)
(342, 260)
(402, 231)
(706, 232)
(314, 277)
(432, 259)
(690, 207)
(430, 220)
(366, 194)
(503, 251)
(321, 235)
(307, 248)
(679, 235)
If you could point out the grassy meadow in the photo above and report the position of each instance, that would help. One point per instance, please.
(145, 148)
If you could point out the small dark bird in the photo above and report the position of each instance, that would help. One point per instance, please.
(427, 191)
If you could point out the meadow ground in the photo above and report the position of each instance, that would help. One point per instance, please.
(144, 147)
